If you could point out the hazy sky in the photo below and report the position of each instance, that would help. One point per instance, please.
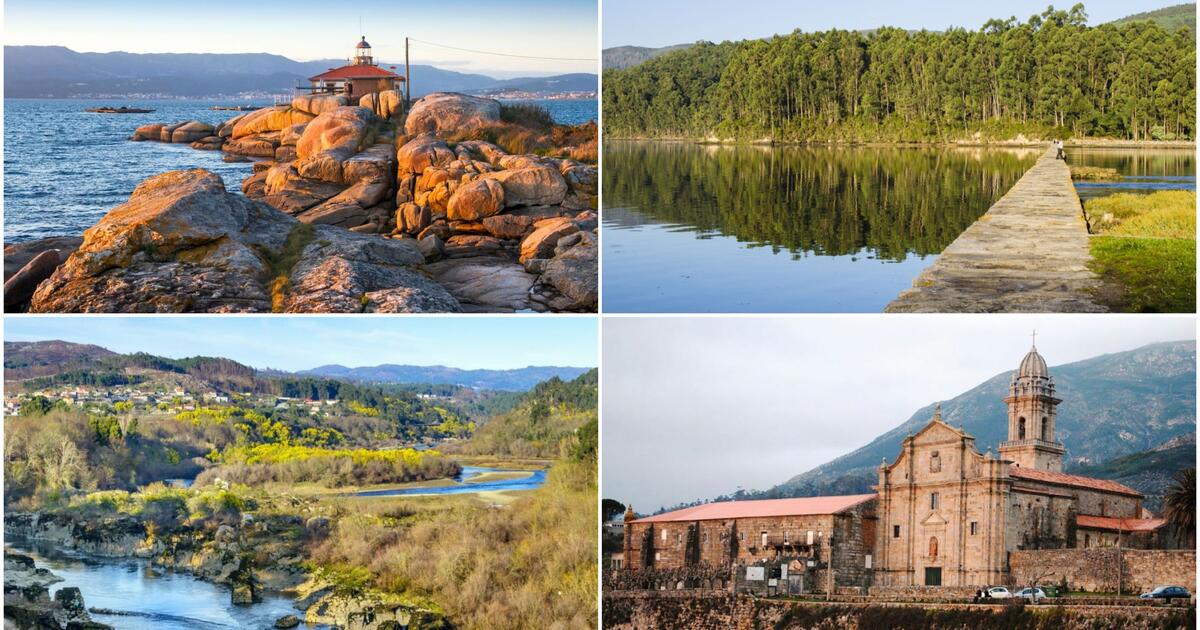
(308, 29)
(694, 408)
(301, 342)
(665, 22)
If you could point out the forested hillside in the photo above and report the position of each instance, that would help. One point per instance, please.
(557, 414)
(1170, 18)
(1051, 75)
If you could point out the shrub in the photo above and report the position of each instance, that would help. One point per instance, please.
(527, 115)
(280, 463)
(218, 502)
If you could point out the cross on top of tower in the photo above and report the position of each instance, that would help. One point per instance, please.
(1034, 336)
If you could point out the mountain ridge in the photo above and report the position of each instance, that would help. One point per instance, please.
(59, 72)
(1145, 398)
(37, 359)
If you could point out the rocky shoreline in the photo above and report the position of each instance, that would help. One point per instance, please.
(350, 208)
(260, 554)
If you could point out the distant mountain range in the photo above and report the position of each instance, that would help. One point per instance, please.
(508, 380)
(1171, 18)
(59, 72)
(1129, 416)
(25, 360)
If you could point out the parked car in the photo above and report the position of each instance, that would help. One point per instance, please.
(1167, 592)
(997, 592)
(1050, 590)
(1034, 595)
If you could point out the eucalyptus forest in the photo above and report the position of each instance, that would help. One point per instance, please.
(1049, 76)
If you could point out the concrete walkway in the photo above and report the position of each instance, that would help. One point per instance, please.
(1028, 253)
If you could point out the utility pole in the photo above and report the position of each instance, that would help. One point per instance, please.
(407, 78)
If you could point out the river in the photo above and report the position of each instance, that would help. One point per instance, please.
(1142, 170)
(703, 228)
(151, 598)
(464, 485)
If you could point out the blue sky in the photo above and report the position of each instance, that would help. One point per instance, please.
(307, 29)
(665, 22)
(301, 342)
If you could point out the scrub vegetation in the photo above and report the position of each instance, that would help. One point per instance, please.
(1144, 249)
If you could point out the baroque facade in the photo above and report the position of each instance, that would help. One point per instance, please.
(951, 514)
(943, 514)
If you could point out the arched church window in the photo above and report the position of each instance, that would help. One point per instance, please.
(933, 547)
(1045, 429)
(1021, 429)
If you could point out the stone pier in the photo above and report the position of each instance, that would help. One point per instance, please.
(1028, 253)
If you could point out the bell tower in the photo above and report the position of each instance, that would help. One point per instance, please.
(1032, 410)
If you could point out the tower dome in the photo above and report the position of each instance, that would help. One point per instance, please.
(363, 43)
(1033, 365)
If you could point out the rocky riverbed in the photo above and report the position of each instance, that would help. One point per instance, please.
(27, 601)
(261, 554)
(350, 208)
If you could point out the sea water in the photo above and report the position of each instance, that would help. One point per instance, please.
(64, 167)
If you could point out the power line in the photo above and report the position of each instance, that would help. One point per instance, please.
(485, 52)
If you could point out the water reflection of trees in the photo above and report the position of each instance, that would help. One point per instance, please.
(1138, 162)
(826, 201)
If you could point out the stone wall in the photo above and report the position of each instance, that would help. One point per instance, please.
(670, 539)
(1096, 569)
(709, 611)
(922, 593)
(763, 542)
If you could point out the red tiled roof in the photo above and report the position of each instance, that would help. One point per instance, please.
(355, 71)
(807, 506)
(1063, 479)
(1120, 524)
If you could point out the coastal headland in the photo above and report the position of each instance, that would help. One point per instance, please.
(459, 203)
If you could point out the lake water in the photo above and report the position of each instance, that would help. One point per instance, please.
(152, 598)
(464, 485)
(703, 228)
(64, 168)
(1142, 170)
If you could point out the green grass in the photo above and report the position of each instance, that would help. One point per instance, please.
(1164, 214)
(1145, 251)
(1146, 275)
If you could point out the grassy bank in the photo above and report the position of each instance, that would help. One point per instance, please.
(1144, 250)
(530, 565)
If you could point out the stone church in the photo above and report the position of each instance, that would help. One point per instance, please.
(950, 515)
(943, 514)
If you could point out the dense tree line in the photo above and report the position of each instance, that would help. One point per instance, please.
(1050, 75)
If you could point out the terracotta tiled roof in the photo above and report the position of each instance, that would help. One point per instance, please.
(1120, 524)
(807, 506)
(355, 71)
(1063, 479)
